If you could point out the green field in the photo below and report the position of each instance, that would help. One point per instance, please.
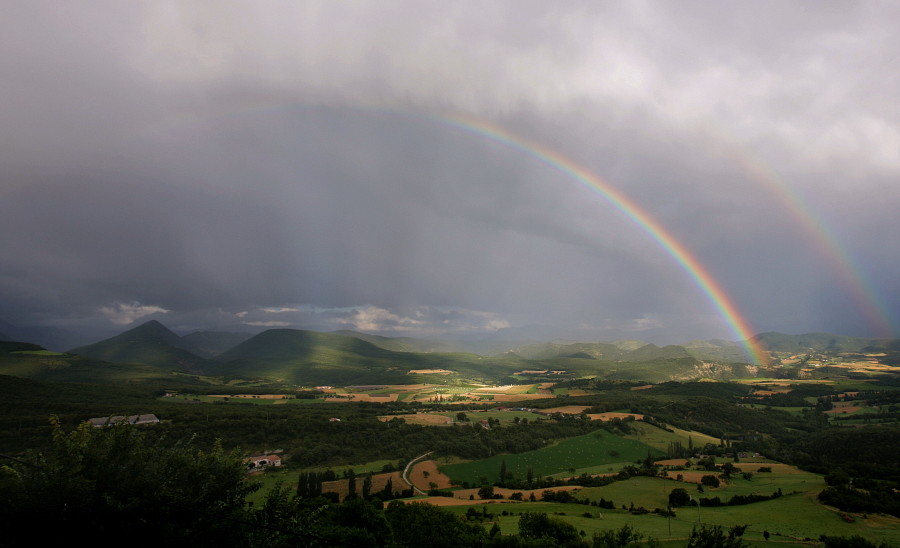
(570, 456)
(672, 532)
(36, 353)
(784, 529)
(268, 481)
(287, 477)
(505, 417)
(789, 519)
(660, 439)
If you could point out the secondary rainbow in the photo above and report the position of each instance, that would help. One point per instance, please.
(694, 268)
(868, 299)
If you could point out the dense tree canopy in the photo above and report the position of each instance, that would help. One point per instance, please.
(114, 483)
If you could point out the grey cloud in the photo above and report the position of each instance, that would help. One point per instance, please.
(207, 159)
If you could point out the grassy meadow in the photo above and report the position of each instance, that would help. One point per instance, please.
(791, 520)
(570, 456)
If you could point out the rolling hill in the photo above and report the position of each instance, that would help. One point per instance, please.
(628, 350)
(32, 361)
(150, 343)
(298, 357)
(52, 338)
(823, 342)
(308, 357)
(717, 350)
(482, 347)
(311, 357)
(208, 344)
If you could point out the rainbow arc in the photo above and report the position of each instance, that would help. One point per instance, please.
(670, 244)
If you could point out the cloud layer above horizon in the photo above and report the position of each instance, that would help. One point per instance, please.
(292, 164)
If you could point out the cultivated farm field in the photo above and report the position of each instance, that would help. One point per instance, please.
(571, 456)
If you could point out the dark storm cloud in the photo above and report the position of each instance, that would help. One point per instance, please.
(275, 164)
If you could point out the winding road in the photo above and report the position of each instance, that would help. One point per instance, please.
(406, 470)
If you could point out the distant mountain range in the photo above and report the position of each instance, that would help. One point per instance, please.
(822, 342)
(717, 350)
(151, 350)
(54, 338)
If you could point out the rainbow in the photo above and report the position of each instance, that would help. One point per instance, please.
(688, 262)
(694, 268)
(868, 299)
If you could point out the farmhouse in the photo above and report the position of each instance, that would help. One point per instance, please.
(257, 462)
(100, 422)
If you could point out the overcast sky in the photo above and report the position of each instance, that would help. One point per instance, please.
(244, 165)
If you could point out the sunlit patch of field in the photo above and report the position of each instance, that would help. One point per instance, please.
(768, 392)
(373, 398)
(430, 372)
(767, 387)
(495, 389)
(342, 486)
(462, 496)
(671, 462)
(251, 396)
(780, 385)
(425, 473)
(612, 415)
(426, 419)
(439, 397)
(868, 366)
(521, 397)
(842, 407)
(502, 415)
(36, 353)
(451, 501)
(566, 410)
(520, 389)
(398, 392)
(438, 393)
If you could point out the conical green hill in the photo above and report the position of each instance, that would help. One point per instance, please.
(150, 343)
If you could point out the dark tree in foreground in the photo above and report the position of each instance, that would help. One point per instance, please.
(419, 524)
(116, 484)
(624, 537)
(855, 541)
(715, 537)
(536, 526)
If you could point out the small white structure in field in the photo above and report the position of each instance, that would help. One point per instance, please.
(257, 462)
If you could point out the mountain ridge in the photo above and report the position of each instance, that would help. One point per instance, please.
(150, 343)
(304, 356)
